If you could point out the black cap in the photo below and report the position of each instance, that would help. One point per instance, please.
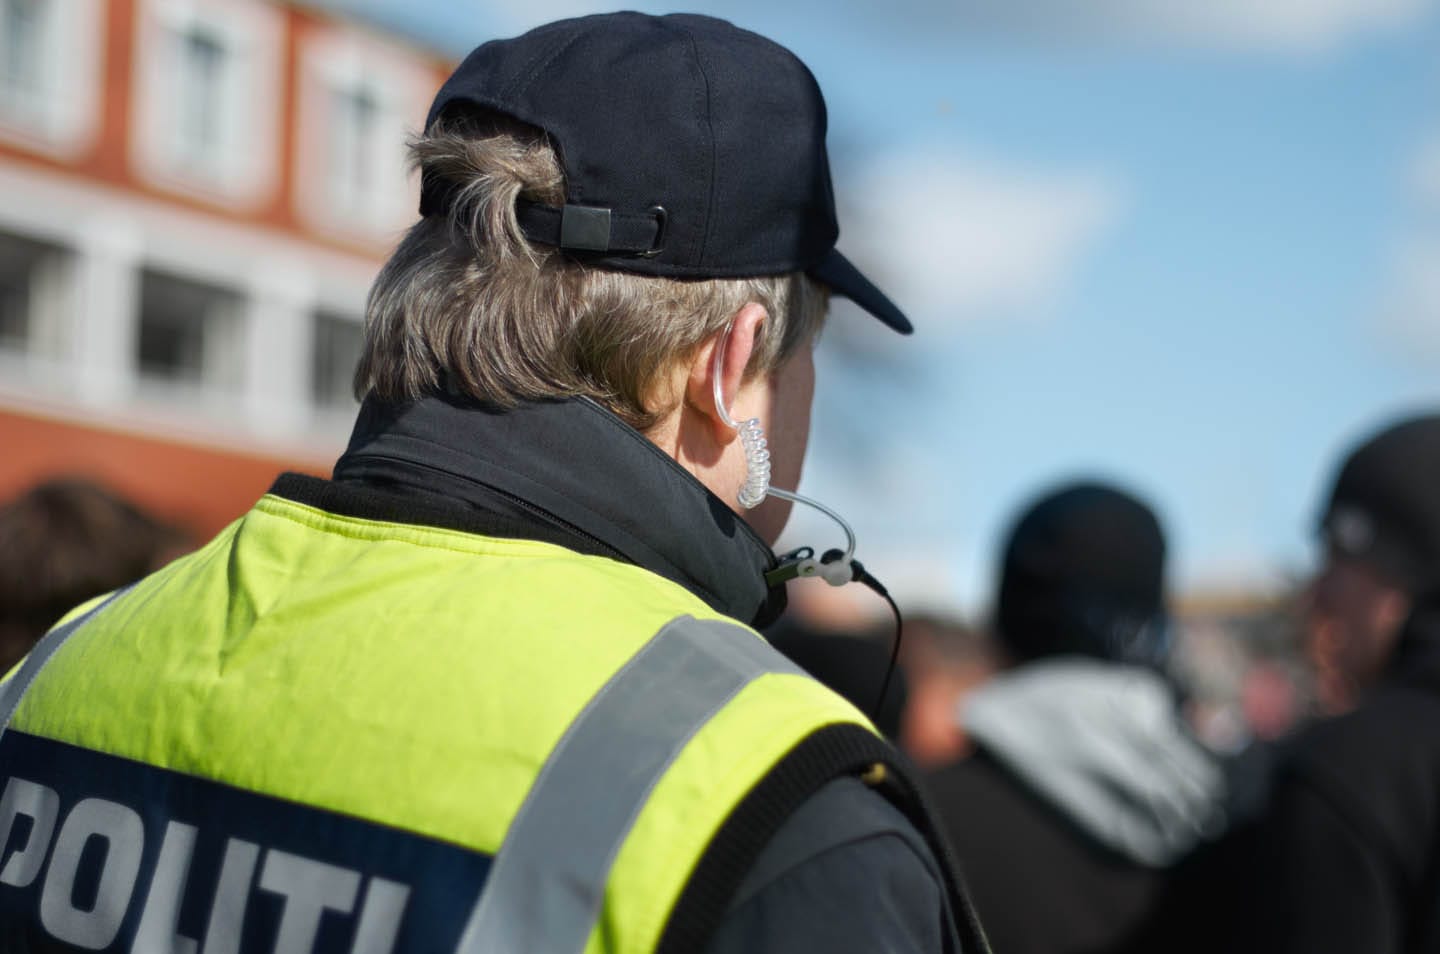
(1385, 506)
(691, 148)
(1083, 573)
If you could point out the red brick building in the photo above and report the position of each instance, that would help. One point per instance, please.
(194, 196)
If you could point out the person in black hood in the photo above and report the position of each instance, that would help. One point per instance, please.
(1348, 855)
(1084, 785)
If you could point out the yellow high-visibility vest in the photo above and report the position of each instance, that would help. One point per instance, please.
(342, 734)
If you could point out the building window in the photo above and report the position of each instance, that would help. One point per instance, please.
(203, 102)
(362, 153)
(26, 32)
(189, 333)
(34, 281)
(24, 28)
(207, 108)
(337, 352)
(201, 92)
(354, 143)
(49, 56)
(359, 100)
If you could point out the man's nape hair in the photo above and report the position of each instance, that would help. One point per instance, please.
(467, 304)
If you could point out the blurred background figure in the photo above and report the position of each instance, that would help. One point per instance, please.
(1348, 854)
(1242, 664)
(944, 661)
(1084, 784)
(839, 640)
(63, 542)
(1381, 534)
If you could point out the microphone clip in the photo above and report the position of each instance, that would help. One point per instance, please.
(835, 567)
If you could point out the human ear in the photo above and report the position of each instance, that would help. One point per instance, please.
(717, 371)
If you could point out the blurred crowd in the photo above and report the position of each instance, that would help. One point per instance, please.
(1119, 774)
(1247, 669)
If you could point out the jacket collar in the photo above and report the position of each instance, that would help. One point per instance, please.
(579, 474)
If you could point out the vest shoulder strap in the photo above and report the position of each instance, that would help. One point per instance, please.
(831, 752)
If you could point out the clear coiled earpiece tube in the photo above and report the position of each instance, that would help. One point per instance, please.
(757, 479)
(757, 464)
(844, 525)
(752, 441)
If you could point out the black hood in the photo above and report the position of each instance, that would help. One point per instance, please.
(566, 472)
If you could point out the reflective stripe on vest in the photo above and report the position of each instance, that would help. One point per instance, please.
(13, 689)
(548, 882)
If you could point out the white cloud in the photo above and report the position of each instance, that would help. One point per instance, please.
(1412, 313)
(953, 237)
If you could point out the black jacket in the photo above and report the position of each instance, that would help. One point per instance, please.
(1084, 790)
(1347, 858)
(847, 871)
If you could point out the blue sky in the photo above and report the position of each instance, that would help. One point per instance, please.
(1192, 247)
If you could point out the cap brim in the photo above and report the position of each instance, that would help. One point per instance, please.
(845, 279)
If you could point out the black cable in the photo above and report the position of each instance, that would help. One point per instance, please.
(863, 576)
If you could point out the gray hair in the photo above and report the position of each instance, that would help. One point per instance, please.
(467, 302)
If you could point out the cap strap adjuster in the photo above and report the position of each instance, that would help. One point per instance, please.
(593, 229)
(584, 229)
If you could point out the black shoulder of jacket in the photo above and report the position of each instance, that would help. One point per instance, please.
(1378, 768)
(833, 752)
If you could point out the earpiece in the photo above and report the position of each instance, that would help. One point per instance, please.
(836, 567)
(757, 464)
(752, 440)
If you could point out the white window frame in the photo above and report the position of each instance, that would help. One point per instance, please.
(324, 408)
(242, 170)
(341, 58)
(49, 305)
(222, 358)
(61, 118)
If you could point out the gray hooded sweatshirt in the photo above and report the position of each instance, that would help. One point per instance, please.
(1102, 743)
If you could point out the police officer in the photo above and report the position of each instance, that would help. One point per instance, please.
(492, 687)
